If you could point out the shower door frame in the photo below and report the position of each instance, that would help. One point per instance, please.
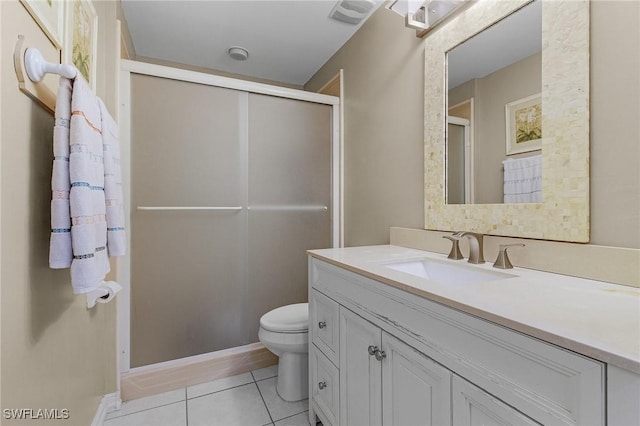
(123, 263)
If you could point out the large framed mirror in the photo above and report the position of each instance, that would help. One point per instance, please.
(531, 102)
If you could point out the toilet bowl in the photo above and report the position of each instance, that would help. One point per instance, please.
(285, 332)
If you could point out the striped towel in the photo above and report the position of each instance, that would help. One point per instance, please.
(116, 239)
(79, 207)
(60, 253)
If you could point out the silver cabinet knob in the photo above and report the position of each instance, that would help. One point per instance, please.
(373, 350)
(322, 324)
(322, 385)
(380, 355)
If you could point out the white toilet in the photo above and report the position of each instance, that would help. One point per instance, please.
(285, 332)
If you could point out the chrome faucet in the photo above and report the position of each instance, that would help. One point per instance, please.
(476, 254)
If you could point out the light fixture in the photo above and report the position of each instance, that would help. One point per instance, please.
(423, 15)
(404, 7)
(238, 53)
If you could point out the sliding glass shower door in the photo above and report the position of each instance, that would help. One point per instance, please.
(228, 190)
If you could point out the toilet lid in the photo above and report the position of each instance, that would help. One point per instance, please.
(290, 318)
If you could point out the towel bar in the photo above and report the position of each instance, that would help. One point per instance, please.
(292, 208)
(310, 208)
(223, 209)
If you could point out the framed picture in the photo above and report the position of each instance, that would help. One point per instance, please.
(81, 38)
(49, 15)
(524, 125)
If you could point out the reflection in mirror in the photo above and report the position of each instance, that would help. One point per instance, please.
(494, 113)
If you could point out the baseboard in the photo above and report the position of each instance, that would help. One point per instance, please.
(163, 377)
(109, 403)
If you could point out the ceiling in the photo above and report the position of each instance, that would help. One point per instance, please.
(287, 41)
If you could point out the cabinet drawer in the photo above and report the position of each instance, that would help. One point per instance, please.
(325, 385)
(324, 325)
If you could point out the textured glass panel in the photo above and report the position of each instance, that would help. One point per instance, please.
(184, 143)
(277, 259)
(187, 277)
(289, 184)
(289, 152)
(187, 285)
(191, 269)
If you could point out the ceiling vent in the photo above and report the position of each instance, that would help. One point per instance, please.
(351, 11)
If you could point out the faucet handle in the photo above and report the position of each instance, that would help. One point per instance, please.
(455, 252)
(502, 261)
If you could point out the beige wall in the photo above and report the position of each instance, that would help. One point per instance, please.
(615, 127)
(383, 153)
(55, 353)
(383, 119)
(127, 49)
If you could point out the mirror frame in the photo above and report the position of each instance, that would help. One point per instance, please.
(563, 214)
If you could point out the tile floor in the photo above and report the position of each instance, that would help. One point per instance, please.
(249, 399)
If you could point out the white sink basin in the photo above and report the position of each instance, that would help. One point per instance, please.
(445, 272)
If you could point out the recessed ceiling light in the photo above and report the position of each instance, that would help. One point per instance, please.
(238, 53)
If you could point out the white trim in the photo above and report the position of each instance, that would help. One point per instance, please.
(123, 263)
(117, 114)
(337, 168)
(108, 403)
(336, 179)
(226, 82)
(468, 156)
(472, 153)
(341, 159)
(1, 186)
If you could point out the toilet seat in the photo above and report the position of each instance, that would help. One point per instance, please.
(287, 319)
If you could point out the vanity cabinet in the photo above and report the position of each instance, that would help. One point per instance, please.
(403, 359)
(394, 386)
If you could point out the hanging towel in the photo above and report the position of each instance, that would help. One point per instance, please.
(79, 207)
(116, 240)
(523, 179)
(60, 253)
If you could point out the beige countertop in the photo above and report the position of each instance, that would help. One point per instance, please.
(594, 318)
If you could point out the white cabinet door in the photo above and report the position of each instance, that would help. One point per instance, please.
(360, 372)
(472, 406)
(415, 389)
